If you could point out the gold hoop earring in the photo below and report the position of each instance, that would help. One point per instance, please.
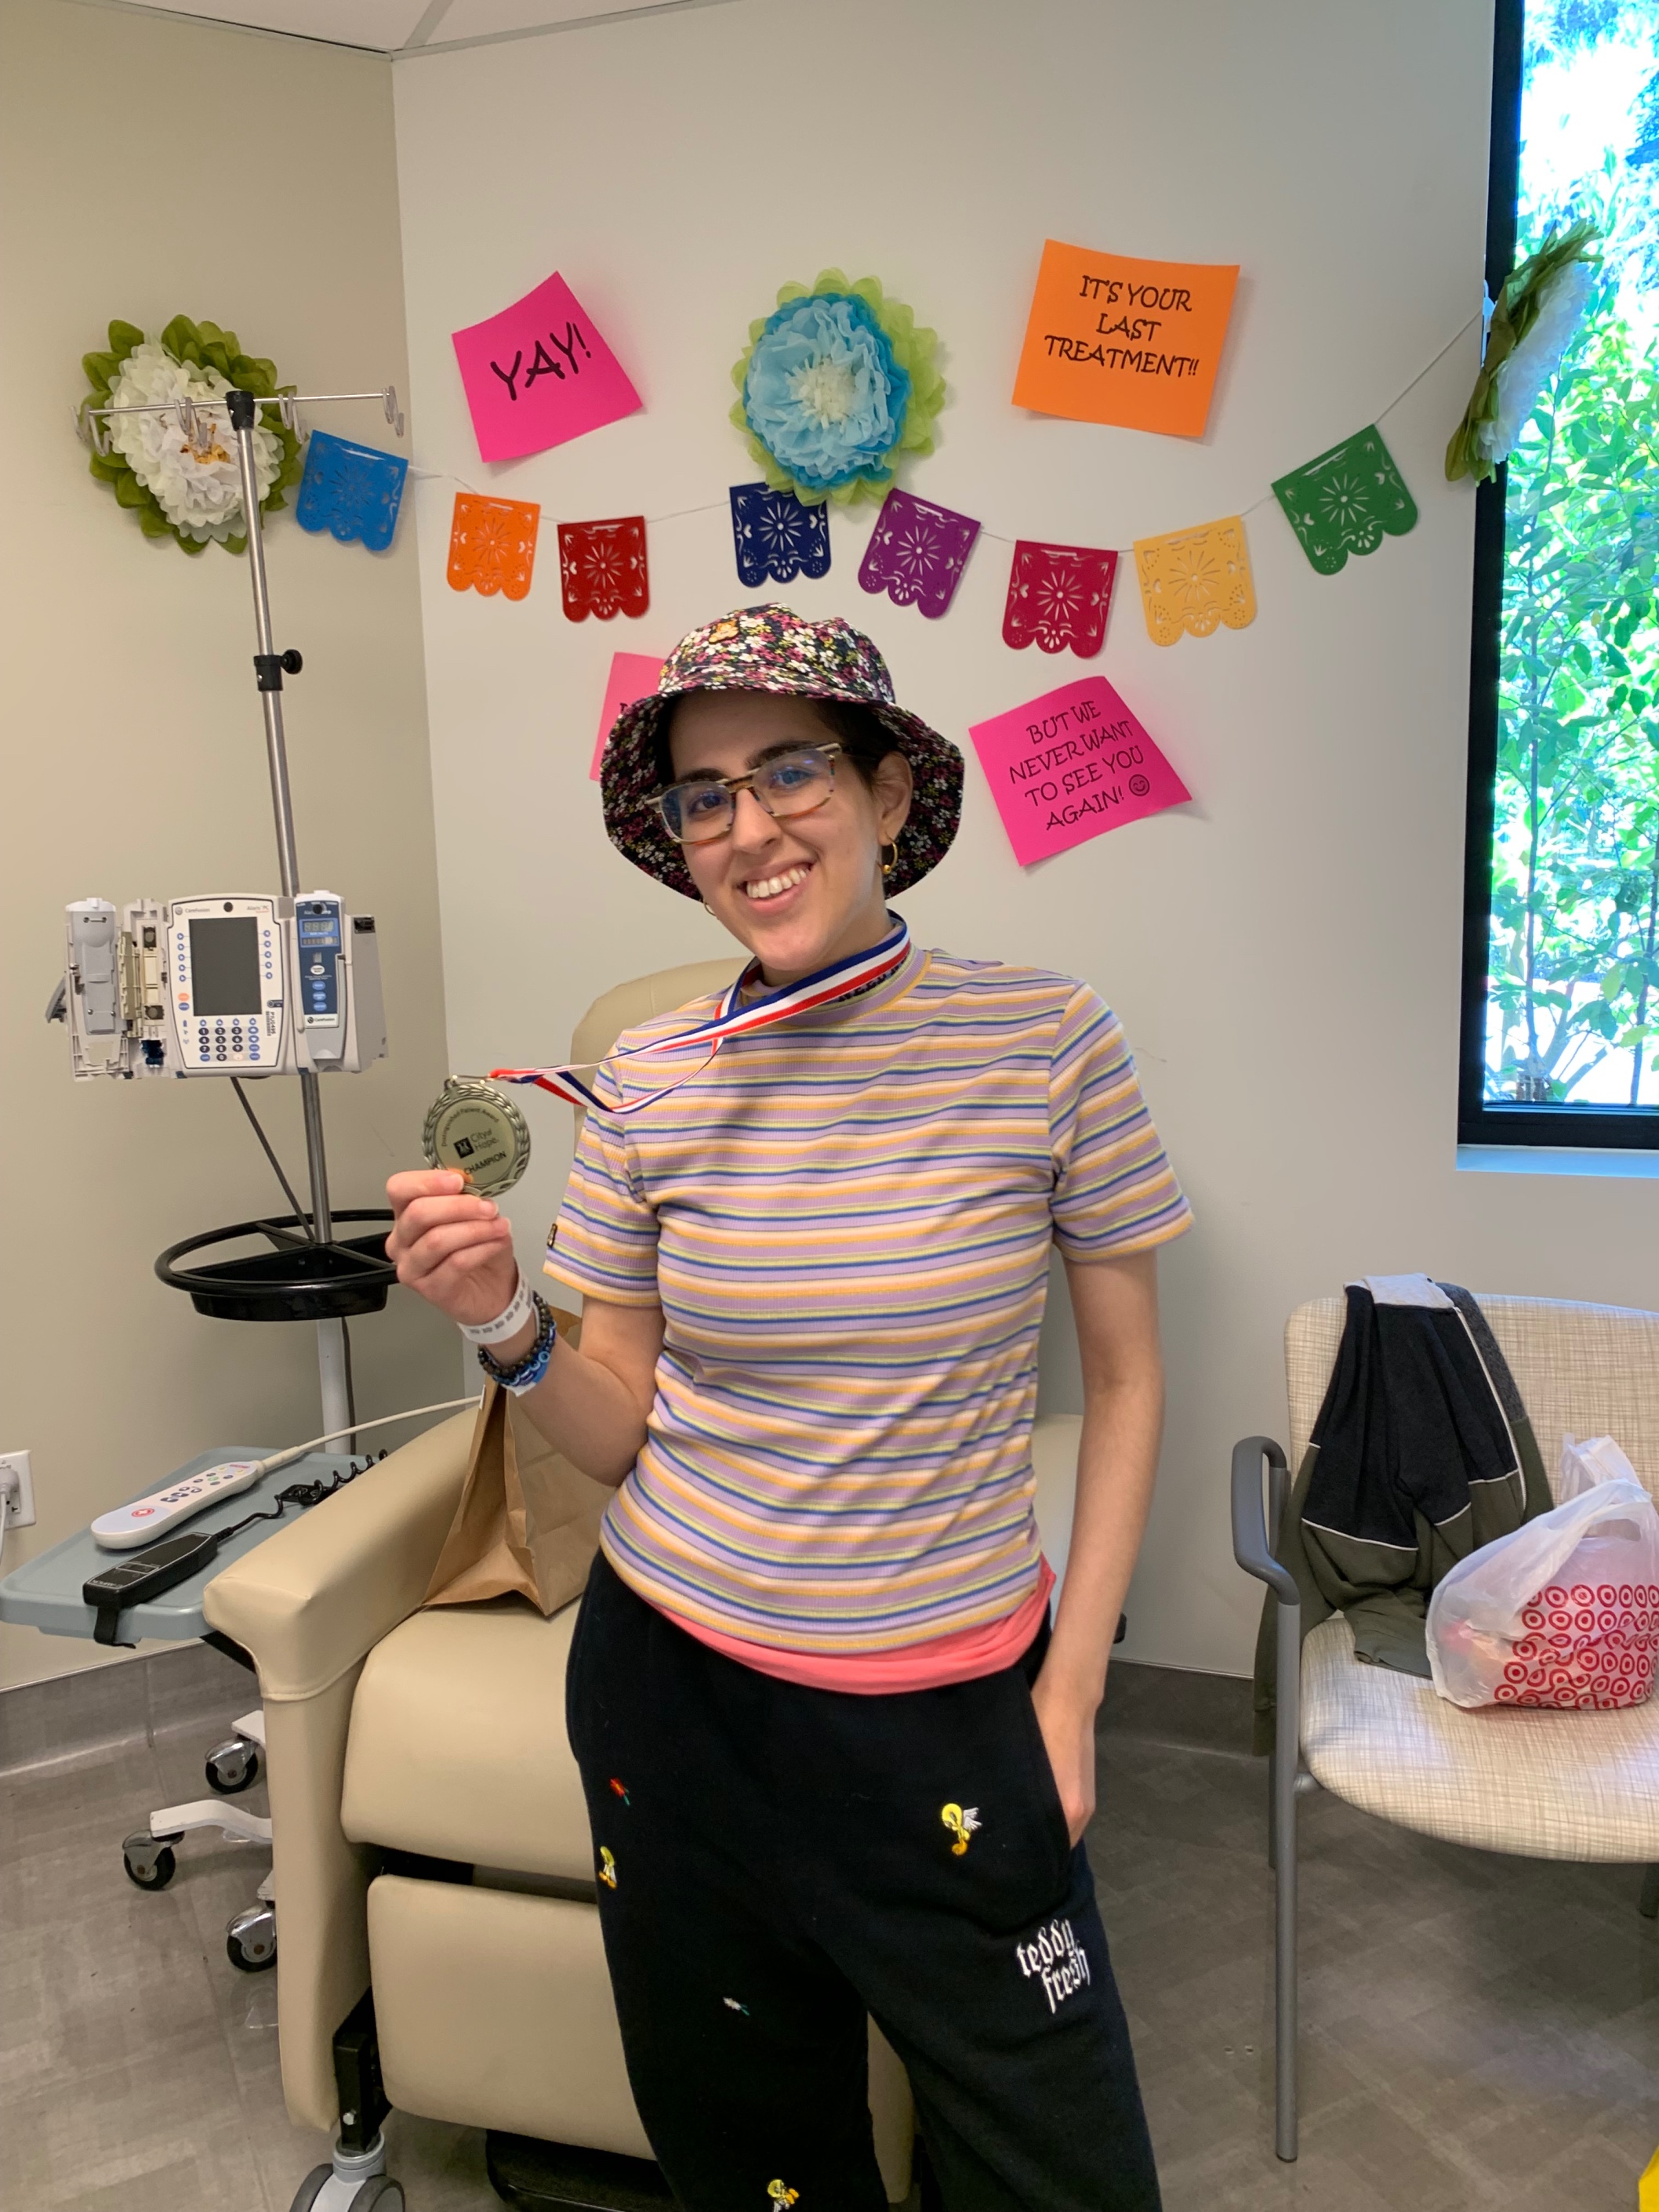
(707, 909)
(887, 866)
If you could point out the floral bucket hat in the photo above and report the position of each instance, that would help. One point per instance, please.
(772, 648)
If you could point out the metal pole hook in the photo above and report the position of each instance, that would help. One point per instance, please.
(90, 429)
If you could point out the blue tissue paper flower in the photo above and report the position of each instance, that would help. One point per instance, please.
(824, 393)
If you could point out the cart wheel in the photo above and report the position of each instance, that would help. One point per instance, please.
(149, 1860)
(380, 2195)
(251, 1939)
(312, 2188)
(233, 1767)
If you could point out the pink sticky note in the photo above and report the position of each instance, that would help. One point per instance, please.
(1071, 764)
(632, 676)
(539, 373)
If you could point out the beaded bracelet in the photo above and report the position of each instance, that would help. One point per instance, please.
(524, 1374)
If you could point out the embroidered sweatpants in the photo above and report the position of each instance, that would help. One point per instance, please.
(774, 1862)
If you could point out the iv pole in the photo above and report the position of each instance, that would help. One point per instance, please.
(269, 668)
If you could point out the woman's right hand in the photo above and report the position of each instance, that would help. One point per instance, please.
(455, 1249)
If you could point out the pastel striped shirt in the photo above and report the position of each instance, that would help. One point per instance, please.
(847, 1220)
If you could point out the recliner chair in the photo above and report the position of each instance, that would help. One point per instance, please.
(429, 1834)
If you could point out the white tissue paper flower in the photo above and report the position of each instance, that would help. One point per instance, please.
(1561, 305)
(198, 486)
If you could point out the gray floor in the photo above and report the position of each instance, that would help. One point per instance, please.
(1479, 2032)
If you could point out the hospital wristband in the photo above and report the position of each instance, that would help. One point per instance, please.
(506, 1323)
(524, 1374)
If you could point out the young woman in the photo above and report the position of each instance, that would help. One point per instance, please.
(835, 1763)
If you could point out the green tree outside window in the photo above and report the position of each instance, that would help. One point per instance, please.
(1573, 990)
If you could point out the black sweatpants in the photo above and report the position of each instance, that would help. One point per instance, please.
(774, 1862)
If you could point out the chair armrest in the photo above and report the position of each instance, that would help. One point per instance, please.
(1251, 1547)
(312, 1599)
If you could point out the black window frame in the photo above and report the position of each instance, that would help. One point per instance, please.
(1479, 1120)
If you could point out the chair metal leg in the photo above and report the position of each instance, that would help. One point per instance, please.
(1287, 1745)
(1649, 1906)
(1255, 1555)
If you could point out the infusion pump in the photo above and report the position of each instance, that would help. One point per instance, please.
(231, 984)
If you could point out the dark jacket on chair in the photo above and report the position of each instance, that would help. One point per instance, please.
(1422, 1453)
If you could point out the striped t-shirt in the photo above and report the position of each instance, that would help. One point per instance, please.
(847, 1220)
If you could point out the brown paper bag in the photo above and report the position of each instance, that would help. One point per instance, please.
(528, 1521)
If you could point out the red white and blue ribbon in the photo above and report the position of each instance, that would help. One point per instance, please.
(859, 971)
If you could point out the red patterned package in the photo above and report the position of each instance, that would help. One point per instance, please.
(1591, 1645)
(1564, 1613)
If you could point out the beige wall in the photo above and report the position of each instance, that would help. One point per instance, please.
(133, 745)
(1284, 952)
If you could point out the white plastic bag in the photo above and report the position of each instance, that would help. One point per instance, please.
(1585, 1464)
(1564, 1613)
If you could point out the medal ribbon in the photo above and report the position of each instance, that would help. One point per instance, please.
(859, 971)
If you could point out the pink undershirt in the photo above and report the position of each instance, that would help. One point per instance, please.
(962, 1656)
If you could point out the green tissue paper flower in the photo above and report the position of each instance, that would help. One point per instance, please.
(1537, 313)
(180, 488)
(831, 396)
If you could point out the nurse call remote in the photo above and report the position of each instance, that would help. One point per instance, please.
(146, 1518)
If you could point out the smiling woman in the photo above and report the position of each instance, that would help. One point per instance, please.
(786, 855)
(816, 1645)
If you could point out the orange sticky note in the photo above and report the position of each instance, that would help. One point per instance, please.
(1134, 343)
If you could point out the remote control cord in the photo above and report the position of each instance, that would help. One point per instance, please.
(298, 1451)
(313, 1493)
(297, 1493)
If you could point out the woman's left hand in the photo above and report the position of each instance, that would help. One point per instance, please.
(1069, 1733)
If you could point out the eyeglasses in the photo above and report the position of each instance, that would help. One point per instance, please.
(789, 783)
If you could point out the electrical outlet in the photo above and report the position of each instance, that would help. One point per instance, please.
(19, 1484)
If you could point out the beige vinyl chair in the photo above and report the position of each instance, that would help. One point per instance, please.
(440, 1948)
(1552, 1785)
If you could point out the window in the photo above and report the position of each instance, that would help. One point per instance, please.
(1560, 1039)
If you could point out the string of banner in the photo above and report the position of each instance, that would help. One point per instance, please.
(1193, 581)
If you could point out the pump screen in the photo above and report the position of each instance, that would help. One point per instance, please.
(224, 965)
